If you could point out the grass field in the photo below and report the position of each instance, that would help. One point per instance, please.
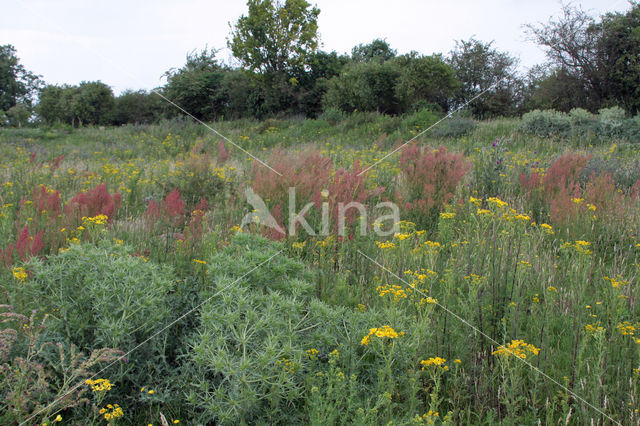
(507, 292)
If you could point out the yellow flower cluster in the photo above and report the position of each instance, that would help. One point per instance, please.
(100, 219)
(593, 329)
(434, 362)
(111, 412)
(397, 291)
(616, 281)
(447, 215)
(580, 246)
(201, 262)
(517, 348)
(497, 202)
(626, 328)
(382, 332)
(19, 273)
(99, 385)
(311, 353)
(548, 228)
(428, 300)
(385, 245)
(299, 245)
(287, 365)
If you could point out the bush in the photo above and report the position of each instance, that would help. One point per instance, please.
(102, 297)
(583, 123)
(546, 123)
(420, 120)
(611, 121)
(454, 128)
(333, 116)
(249, 352)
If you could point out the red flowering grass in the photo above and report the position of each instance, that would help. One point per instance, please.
(348, 186)
(309, 173)
(428, 181)
(27, 245)
(94, 202)
(223, 154)
(555, 191)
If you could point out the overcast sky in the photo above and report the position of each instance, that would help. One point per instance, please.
(130, 44)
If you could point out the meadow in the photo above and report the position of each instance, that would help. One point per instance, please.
(506, 294)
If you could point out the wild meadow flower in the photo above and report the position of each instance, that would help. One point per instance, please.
(299, 245)
(99, 385)
(517, 348)
(201, 262)
(497, 202)
(626, 328)
(447, 215)
(616, 282)
(593, 329)
(19, 273)
(287, 365)
(384, 332)
(394, 290)
(434, 362)
(385, 245)
(111, 412)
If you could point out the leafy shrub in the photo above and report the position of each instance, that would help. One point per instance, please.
(420, 120)
(454, 128)
(611, 121)
(546, 123)
(333, 116)
(583, 123)
(103, 297)
(249, 350)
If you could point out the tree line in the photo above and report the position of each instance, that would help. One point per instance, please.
(593, 63)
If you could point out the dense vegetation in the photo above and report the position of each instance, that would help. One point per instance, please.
(507, 292)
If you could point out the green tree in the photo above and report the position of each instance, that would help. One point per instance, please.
(275, 37)
(137, 107)
(273, 41)
(197, 86)
(19, 115)
(377, 50)
(17, 85)
(479, 67)
(425, 80)
(618, 56)
(55, 104)
(92, 103)
(365, 86)
(553, 88)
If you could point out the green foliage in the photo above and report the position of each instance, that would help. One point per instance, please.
(197, 87)
(425, 79)
(88, 103)
(545, 124)
(93, 103)
(378, 50)
(137, 107)
(610, 123)
(275, 37)
(17, 85)
(100, 296)
(455, 127)
(479, 67)
(366, 86)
